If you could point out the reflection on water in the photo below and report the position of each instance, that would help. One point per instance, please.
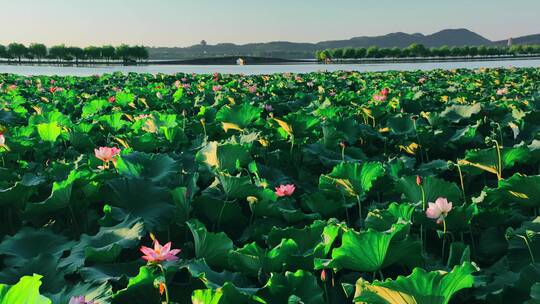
(259, 69)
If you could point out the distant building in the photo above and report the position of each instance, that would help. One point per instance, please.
(240, 61)
(509, 42)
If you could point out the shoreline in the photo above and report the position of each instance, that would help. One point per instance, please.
(231, 60)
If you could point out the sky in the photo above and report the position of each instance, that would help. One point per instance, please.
(187, 22)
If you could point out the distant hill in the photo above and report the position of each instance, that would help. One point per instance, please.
(529, 39)
(293, 50)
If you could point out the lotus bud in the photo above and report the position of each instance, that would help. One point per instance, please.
(414, 117)
(323, 276)
(419, 180)
(107, 209)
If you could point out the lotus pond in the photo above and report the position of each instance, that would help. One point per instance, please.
(341, 187)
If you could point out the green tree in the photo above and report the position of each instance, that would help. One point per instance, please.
(76, 53)
(418, 50)
(473, 51)
(17, 50)
(395, 52)
(38, 50)
(108, 52)
(3, 51)
(348, 53)
(360, 53)
(58, 52)
(372, 52)
(92, 52)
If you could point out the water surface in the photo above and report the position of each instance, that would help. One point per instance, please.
(259, 69)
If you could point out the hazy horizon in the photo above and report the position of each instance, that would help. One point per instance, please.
(171, 23)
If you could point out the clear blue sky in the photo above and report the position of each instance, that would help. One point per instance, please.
(186, 22)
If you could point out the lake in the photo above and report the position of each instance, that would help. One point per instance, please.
(259, 69)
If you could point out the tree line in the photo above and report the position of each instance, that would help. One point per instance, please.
(62, 53)
(419, 50)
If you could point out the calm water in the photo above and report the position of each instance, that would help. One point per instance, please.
(260, 69)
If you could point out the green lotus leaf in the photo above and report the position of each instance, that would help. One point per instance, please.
(382, 220)
(217, 280)
(477, 161)
(93, 107)
(140, 289)
(459, 253)
(101, 273)
(524, 244)
(455, 113)
(327, 207)
(340, 130)
(213, 247)
(372, 250)
(301, 284)
(21, 191)
(124, 98)
(433, 188)
(155, 167)
(224, 157)
(92, 292)
(434, 287)
(351, 179)
(401, 124)
(113, 121)
(143, 199)
(106, 245)
(29, 243)
(60, 197)
(45, 264)
(238, 116)
(49, 132)
(519, 189)
(207, 296)
(296, 124)
(26, 291)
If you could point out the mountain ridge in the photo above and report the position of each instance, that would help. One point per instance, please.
(297, 50)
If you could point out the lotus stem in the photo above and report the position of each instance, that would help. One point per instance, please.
(220, 214)
(165, 289)
(381, 275)
(423, 236)
(326, 292)
(472, 240)
(526, 239)
(418, 140)
(444, 240)
(499, 169)
(359, 211)
(292, 144)
(461, 180)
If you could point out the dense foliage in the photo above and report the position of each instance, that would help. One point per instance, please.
(317, 188)
(62, 53)
(419, 50)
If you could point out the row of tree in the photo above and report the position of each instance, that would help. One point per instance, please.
(419, 50)
(38, 51)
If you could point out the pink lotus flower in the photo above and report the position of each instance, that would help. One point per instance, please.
(177, 84)
(252, 89)
(159, 253)
(186, 86)
(502, 91)
(11, 87)
(285, 190)
(106, 154)
(53, 89)
(112, 99)
(310, 84)
(439, 210)
(79, 300)
(382, 95)
(216, 88)
(2, 140)
(268, 108)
